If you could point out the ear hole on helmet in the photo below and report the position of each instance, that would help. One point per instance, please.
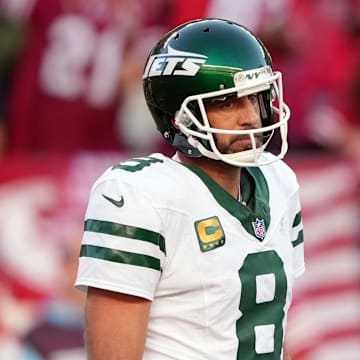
(173, 123)
(182, 118)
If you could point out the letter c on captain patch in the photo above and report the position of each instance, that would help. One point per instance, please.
(210, 233)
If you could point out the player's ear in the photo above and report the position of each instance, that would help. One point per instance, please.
(173, 123)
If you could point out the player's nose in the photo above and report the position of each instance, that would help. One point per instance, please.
(248, 115)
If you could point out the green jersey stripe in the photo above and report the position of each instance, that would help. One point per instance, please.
(297, 219)
(132, 232)
(119, 256)
(299, 240)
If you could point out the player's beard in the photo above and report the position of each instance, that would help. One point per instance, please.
(237, 143)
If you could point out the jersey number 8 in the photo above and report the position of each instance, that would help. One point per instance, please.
(262, 302)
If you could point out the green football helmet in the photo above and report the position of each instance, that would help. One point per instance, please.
(213, 58)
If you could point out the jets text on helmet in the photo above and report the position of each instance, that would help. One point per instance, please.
(175, 62)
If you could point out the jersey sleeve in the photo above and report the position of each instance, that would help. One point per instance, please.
(123, 249)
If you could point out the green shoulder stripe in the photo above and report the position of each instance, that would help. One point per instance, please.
(297, 219)
(299, 240)
(118, 256)
(131, 232)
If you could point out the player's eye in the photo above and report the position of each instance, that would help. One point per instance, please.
(228, 104)
(252, 98)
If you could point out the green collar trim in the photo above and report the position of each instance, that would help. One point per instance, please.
(254, 190)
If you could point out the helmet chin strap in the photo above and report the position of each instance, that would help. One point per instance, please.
(181, 143)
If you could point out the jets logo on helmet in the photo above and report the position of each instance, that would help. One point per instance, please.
(168, 64)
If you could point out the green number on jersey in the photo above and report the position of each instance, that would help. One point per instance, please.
(263, 297)
(135, 164)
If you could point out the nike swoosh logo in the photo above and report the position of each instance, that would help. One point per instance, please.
(118, 203)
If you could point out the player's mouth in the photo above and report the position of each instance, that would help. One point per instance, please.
(243, 142)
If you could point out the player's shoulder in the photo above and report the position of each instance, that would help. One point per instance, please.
(280, 173)
(151, 174)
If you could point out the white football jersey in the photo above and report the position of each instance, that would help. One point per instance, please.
(219, 272)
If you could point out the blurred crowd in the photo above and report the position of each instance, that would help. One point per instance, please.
(70, 82)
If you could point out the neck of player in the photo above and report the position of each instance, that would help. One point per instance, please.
(227, 176)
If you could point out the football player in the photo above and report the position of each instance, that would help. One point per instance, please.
(195, 256)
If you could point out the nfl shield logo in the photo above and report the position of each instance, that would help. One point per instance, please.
(259, 228)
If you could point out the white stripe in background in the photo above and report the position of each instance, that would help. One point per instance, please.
(339, 221)
(335, 267)
(341, 349)
(308, 321)
(322, 186)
